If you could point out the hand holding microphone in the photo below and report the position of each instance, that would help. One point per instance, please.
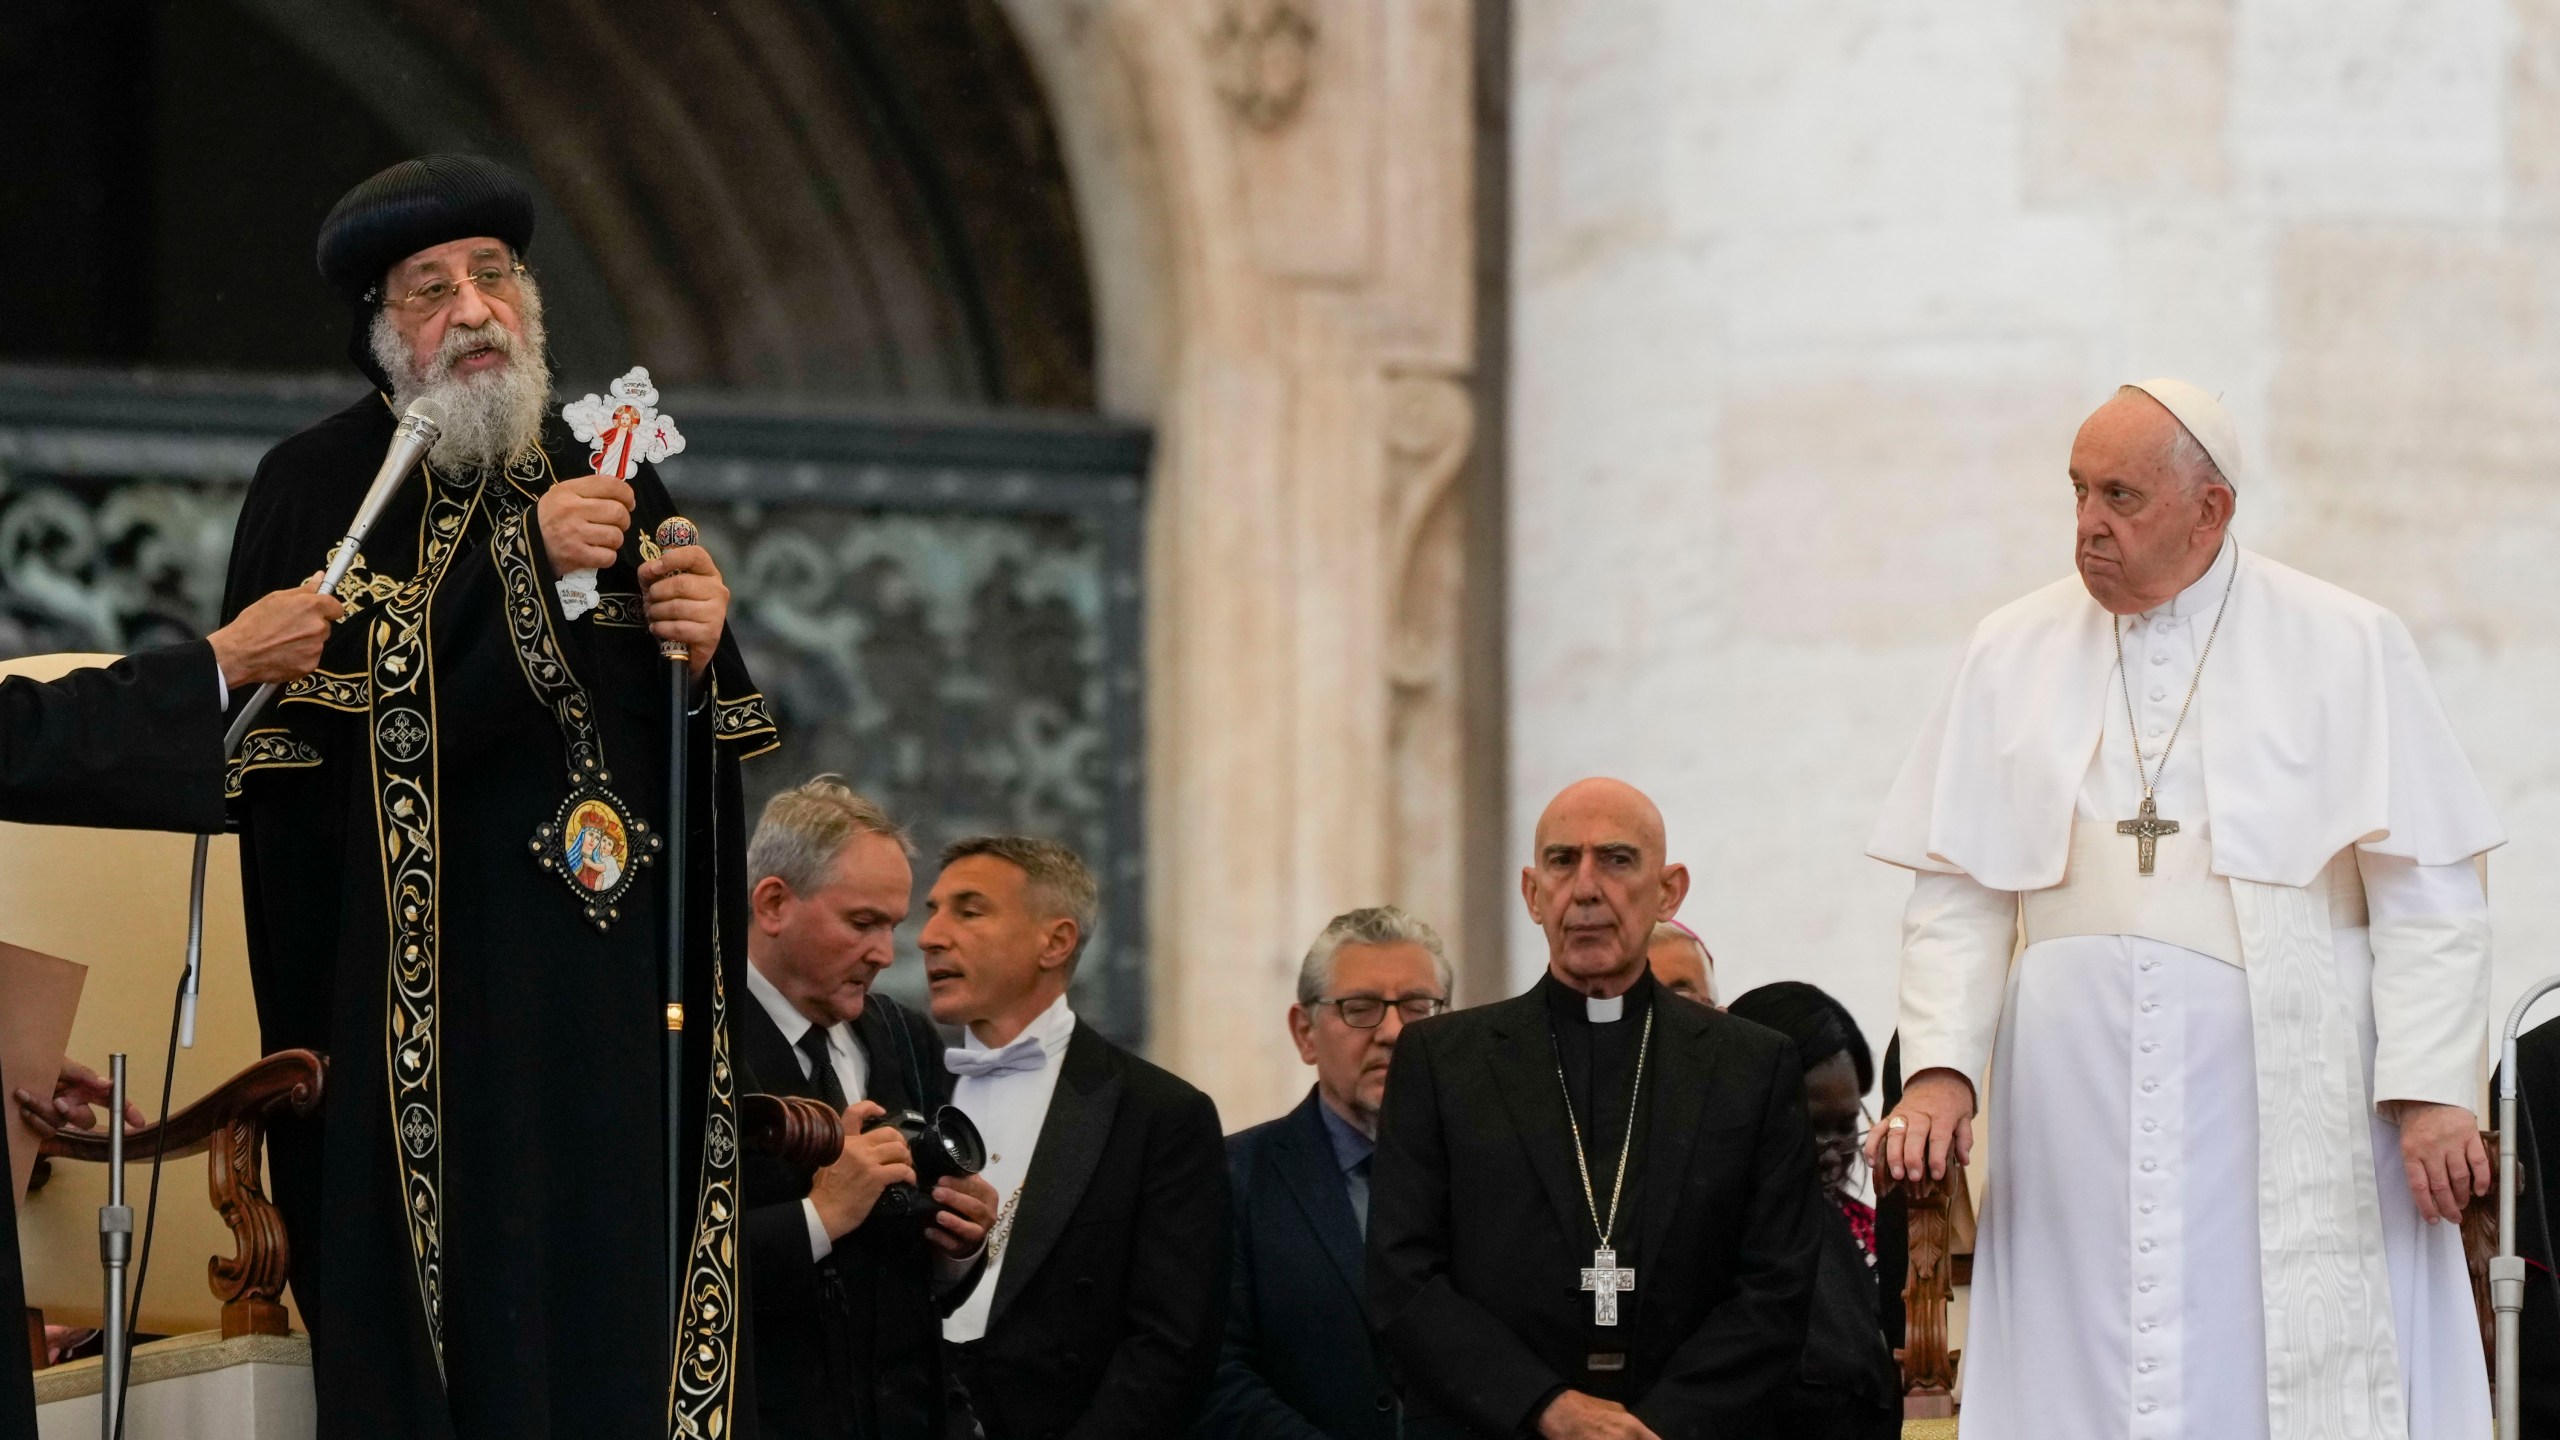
(277, 638)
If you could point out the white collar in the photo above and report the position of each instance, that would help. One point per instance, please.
(786, 1016)
(2204, 596)
(1604, 1010)
(1052, 1028)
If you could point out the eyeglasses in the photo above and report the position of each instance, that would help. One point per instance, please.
(1368, 1012)
(493, 281)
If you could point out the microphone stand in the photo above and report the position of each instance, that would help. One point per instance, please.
(672, 532)
(2507, 1270)
(115, 1251)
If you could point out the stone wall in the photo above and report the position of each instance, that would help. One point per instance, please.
(1276, 200)
(1809, 299)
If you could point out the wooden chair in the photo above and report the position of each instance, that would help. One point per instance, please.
(229, 1127)
(1941, 1245)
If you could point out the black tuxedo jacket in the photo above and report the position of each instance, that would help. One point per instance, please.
(1107, 1309)
(1300, 1361)
(1478, 1231)
(134, 746)
(848, 1346)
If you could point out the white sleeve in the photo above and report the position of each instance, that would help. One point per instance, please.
(821, 1244)
(2430, 935)
(1957, 937)
(224, 681)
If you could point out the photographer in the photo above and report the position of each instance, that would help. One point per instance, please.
(847, 1293)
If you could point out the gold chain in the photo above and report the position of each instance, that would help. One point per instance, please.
(1626, 1146)
(2150, 777)
(1002, 1230)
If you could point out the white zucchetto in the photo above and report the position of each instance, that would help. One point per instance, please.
(2204, 418)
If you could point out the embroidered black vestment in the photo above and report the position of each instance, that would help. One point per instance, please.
(476, 1213)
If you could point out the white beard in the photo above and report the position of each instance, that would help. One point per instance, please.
(490, 416)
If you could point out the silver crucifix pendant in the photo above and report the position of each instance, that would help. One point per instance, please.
(2146, 829)
(1604, 1280)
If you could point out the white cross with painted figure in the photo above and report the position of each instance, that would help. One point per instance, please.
(625, 427)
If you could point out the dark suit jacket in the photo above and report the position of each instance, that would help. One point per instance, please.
(1107, 1309)
(1300, 1361)
(1478, 1232)
(850, 1345)
(2537, 1211)
(136, 746)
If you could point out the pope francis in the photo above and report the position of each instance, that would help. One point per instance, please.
(2232, 1067)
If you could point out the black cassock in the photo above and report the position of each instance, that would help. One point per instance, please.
(476, 1213)
(134, 746)
(1480, 1231)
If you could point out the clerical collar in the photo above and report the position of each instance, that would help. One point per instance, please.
(2203, 596)
(1563, 1001)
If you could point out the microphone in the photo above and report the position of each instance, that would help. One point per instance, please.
(410, 441)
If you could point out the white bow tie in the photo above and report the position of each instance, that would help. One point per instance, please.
(1023, 1054)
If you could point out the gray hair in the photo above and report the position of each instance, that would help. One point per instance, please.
(2185, 455)
(1060, 882)
(1376, 925)
(490, 417)
(805, 827)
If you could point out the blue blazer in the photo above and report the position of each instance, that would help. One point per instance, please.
(1300, 1361)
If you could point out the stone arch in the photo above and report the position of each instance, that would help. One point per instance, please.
(1285, 188)
(844, 200)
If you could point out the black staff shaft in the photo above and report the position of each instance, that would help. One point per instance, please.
(679, 686)
(674, 532)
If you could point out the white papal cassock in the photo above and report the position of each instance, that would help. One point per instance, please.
(2196, 1223)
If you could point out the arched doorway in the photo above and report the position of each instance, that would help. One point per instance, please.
(841, 237)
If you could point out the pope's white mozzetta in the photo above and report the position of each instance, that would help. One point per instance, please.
(2196, 1222)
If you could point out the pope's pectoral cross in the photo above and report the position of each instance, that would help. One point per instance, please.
(1605, 1279)
(2146, 829)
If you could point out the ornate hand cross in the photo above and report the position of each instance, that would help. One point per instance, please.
(2146, 829)
(1604, 1280)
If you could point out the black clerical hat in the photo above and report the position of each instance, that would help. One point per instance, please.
(415, 204)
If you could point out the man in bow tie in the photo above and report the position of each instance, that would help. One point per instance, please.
(1099, 1311)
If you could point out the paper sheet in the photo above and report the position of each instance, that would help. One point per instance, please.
(39, 995)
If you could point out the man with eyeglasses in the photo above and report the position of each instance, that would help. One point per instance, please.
(1300, 1359)
(479, 1212)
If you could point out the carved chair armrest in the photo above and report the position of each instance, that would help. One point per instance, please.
(1940, 1213)
(2479, 1247)
(292, 1078)
(802, 1133)
(229, 1126)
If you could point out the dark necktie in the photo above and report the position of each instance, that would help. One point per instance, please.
(822, 1067)
(1359, 1182)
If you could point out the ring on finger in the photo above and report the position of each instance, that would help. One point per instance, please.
(1896, 1122)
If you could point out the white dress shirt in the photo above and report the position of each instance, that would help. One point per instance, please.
(1009, 1110)
(852, 1071)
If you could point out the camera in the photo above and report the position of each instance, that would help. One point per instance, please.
(942, 1148)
